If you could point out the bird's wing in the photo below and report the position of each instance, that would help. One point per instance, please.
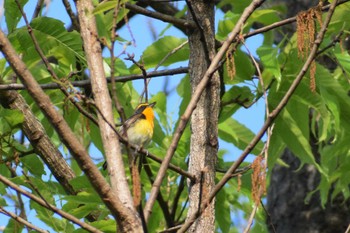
(130, 122)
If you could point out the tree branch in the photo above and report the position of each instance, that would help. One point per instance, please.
(38, 8)
(269, 119)
(71, 14)
(87, 82)
(60, 125)
(131, 222)
(181, 23)
(168, 9)
(22, 220)
(38, 138)
(53, 208)
(192, 104)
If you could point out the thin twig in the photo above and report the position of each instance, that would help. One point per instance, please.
(348, 229)
(331, 44)
(239, 171)
(37, 9)
(71, 14)
(162, 202)
(251, 218)
(268, 218)
(44, 204)
(22, 220)
(162, 61)
(166, 18)
(28, 181)
(170, 53)
(257, 67)
(19, 196)
(116, 101)
(171, 229)
(177, 196)
(269, 119)
(144, 75)
(87, 82)
(283, 22)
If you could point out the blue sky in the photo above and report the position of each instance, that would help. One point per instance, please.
(253, 118)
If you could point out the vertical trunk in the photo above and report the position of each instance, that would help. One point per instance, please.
(204, 121)
(288, 211)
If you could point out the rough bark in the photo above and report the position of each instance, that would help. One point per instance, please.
(204, 120)
(38, 138)
(288, 211)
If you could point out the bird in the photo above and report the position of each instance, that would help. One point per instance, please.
(138, 128)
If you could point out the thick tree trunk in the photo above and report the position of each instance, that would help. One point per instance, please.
(204, 121)
(286, 201)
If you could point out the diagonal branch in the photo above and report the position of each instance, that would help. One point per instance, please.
(192, 105)
(131, 222)
(270, 118)
(38, 138)
(22, 220)
(60, 125)
(53, 208)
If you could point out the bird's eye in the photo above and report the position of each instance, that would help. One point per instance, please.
(140, 108)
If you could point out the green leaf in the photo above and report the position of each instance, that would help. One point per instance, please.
(80, 183)
(120, 68)
(13, 227)
(343, 59)
(12, 117)
(264, 16)
(3, 202)
(222, 213)
(96, 137)
(106, 226)
(12, 13)
(184, 90)
(314, 100)
(238, 96)
(292, 127)
(53, 39)
(239, 135)
(226, 25)
(83, 210)
(104, 6)
(244, 69)
(163, 123)
(269, 58)
(33, 164)
(163, 47)
(84, 198)
(276, 148)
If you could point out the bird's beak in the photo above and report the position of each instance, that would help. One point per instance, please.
(152, 104)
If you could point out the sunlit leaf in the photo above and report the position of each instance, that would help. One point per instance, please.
(12, 13)
(239, 135)
(269, 58)
(168, 48)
